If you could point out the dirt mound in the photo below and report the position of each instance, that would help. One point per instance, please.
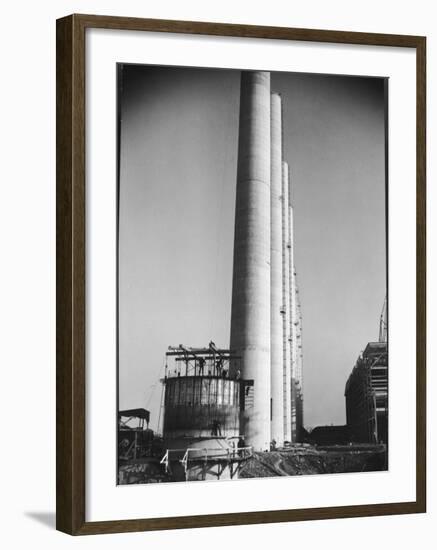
(312, 461)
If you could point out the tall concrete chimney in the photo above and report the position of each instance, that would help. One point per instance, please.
(250, 317)
(293, 322)
(299, 372)
(276, 279)
(286, 319)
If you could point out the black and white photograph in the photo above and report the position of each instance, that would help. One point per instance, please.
(218, 256)
(252, 274)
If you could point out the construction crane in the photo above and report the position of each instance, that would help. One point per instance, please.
(383, 323)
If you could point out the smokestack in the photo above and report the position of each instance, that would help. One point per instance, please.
(293, 319)
(299, 372)
(250, 318)
(276, 298)
(286, 318)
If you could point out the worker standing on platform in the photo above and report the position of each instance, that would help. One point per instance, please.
(201, 365)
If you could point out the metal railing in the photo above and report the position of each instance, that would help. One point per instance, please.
(206, 454)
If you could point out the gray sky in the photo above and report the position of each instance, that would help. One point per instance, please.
(179, 132)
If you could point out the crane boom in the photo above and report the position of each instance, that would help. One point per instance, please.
(383, 323)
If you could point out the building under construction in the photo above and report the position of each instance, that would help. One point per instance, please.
(367, 391)
(203, 405)
(134, 442)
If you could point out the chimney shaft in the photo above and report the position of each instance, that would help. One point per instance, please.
(250, 318)
(276, 276)
(293, 323)
(286, 327)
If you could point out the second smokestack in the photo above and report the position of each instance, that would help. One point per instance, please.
(276, 273)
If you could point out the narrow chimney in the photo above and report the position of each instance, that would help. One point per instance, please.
(276, 277)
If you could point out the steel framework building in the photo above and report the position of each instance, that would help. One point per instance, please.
(366, 395)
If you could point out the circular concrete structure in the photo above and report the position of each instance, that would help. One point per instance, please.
(250, 319)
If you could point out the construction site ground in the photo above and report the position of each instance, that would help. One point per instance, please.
(292, 461)
(316, 460)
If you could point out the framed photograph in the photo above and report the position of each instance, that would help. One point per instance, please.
(240, 274)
